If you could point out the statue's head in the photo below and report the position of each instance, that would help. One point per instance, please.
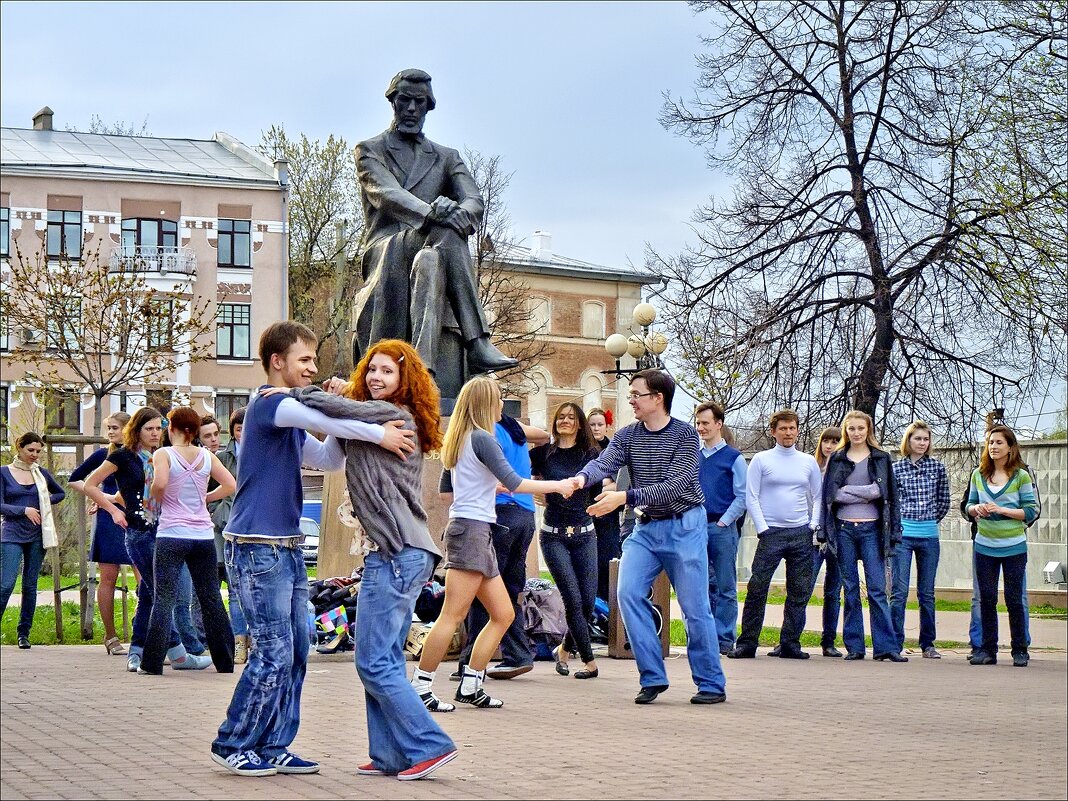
(411, 97)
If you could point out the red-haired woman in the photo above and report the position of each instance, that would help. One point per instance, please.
(186, 536)
(607, 526)
(390, 382)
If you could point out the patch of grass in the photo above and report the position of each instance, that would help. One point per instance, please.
(43, 631)
(44, 583)
(769, 638)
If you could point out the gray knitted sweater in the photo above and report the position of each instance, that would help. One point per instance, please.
(386, 492)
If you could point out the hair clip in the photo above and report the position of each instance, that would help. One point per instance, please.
(400, 358)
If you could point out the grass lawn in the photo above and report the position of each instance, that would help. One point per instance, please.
(769, 638)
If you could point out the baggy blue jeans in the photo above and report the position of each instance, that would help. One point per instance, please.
(272, 586)
(680, 547)
(975, 629)
(32, 555)
(400, 730)
(927, 550)
(723, 581)
(861, 541)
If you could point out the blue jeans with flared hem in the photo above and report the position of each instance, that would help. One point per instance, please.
(723, 580)
(862, 541)
(141, 546)
(832, 593)
(927, 550)
(400, 730)
(264, 713)
(31, 555)
(987, 570)
(680, 547)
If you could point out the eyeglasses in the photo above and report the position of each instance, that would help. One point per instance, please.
(636, 395)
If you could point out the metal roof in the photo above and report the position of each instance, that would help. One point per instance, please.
(221, 159)
(522, 258)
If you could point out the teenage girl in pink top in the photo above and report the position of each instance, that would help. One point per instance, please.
(186, 535)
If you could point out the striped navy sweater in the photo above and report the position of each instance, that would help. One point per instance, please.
(664, 467)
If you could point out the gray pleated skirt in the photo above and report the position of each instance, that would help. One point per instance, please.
(469, 546)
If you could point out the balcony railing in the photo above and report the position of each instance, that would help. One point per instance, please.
(146, 259)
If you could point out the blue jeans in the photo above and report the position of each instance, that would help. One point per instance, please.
(975, 629)
(832, 593)
(272, 586)
(863, 541)
(183, 617)
(31, 555)
(927, 550)
(237, 617)
(141, 546)
(680, 547)
(723, 581)
(400, 730)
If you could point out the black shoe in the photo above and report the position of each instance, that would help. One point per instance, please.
(503, 671)
(983, 658)
(708, 698)
(587, 674)
(24, 642)
(738, 652)
(830, 650)
(794, 654)
(776, 651)
(725, 649)
(483, 357)
(853, 656)
(648, 694)
(457, 674)
(890, 656)
(1020, 660)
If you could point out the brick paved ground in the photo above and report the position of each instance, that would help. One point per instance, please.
(73, 725)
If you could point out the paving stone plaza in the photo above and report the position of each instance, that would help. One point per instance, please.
(74, 725)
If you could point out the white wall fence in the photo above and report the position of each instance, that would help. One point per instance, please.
(1047, 540)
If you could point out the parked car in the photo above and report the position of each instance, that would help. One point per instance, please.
(310, 547)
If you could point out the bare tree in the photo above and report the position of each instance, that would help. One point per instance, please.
(503, 293)
(895, 242)
(325, 224)
(117, 128)
(84, 329)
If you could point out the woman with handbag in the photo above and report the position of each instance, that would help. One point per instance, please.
(861, 522)
(27, 527)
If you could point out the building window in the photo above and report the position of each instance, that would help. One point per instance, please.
(234, 331)
(225, 405)
(538, 311)
(148, 237)
(64, 234)
(592, 320)
(235, 243)
(63, 413)
(5, 231)
(3, 413)
(161, 324)
(65, 326)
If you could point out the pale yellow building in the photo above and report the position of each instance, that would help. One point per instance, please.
(204, 215)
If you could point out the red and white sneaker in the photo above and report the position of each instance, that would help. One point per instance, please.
(371, 770)
(424, 769)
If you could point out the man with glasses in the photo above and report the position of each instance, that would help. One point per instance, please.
(662, 455)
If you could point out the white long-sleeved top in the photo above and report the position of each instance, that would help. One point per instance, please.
(784, 488)
(325, 455)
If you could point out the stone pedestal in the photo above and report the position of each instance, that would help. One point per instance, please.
(618, 645)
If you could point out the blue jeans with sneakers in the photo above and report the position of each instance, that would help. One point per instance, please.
(141, 546)
(680, 547)
(927, 550)
(272, 585)
(400, 730)
(861, 541)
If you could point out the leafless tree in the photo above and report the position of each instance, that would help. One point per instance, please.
(325, 224)
(895, 241)
(502, 291)
(83, 329)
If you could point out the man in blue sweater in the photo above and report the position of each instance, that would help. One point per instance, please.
(723, 483)
(262, 550)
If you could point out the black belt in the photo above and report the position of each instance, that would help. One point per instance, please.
(671, 516)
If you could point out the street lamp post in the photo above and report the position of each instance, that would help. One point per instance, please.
(645, 348)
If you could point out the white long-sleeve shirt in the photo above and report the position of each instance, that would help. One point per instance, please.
(325, 455)
(784, 488)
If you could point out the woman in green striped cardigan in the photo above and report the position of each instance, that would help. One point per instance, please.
(1001, 498)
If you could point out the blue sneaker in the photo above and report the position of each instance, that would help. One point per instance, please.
(244, 763)
(133, 663)
(191, 662)
(288, 762)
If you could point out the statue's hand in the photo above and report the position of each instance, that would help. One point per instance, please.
(461, 221)
(441, 208)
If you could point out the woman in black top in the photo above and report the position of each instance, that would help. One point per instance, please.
(568, 538)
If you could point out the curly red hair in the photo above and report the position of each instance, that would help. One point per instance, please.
(417, 390)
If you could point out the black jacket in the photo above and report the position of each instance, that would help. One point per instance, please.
(879, 469)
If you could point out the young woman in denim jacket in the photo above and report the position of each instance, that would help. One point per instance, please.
(861, 522)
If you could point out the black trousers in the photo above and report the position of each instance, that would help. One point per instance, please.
(795, 546)
(511, 543)
(170, 554)
(572, 561)
(608, 548)
(1014, 568)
